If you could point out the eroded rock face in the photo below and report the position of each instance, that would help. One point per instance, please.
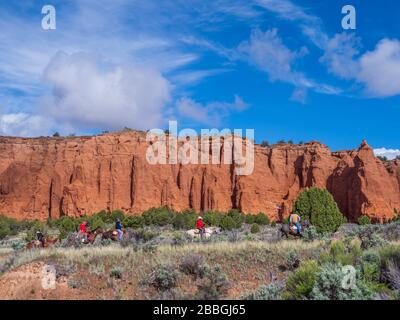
(51, 177)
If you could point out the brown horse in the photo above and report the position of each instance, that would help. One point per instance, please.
(91, 235)
(286, 230)
(48, 242)
(112, 234)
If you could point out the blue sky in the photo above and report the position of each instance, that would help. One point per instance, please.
(284, 68)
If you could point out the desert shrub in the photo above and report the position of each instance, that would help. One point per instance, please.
(133, 222)
(300, 283)
(370, 239)
(103, 215)
(389, 254)
(250, 218)
(340, 254)
(158, 216)
(10, 226)
(370, 265)
(273, 224)
(255, 228)
(184, 220)
(213, 286)
(292, 259)
(392, 275)
(66, 225)
(144, 234)
(4, 228)
(355, 247)
(261, 219)
(272, 291)
(329, 285)
(213, 218)
(163, 278)
(72, 240)
(364, 220)
(117, 214)
(116, 272)
(193, 264)
(310, 233)
(97, 222)
(237, 217)
(319, 207)
(227, 223)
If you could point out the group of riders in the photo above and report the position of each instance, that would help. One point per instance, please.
(294, 224)
(83, 232)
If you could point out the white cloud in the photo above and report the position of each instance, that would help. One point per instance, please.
(267, 51)
(380, 69)
(377, 70)
(87, 93)
(388, 153)
(210, 113)
(286, 10)
(23, 124)
(340, 53)
(299, 95)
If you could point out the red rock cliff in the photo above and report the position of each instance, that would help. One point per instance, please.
(51, 177)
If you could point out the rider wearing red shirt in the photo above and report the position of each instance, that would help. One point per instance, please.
(200, 226)
(83, 229)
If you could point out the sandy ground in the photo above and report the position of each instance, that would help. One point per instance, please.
(32, 282)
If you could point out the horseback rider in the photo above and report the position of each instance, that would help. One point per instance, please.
(83, 230)
(200, 226)
(118, 227)
(295, 220)
(40, 237)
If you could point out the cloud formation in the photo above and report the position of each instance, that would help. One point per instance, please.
(88, 93)
(211, 113)
(267, 51)
(380, 69)
(23, 124)
(388, 153)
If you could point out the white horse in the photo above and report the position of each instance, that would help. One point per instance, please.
(195, 233)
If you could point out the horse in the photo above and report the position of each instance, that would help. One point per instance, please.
(91, 235)
(110, 234)
(113, 235)
(286, 230)
(195, 233)
(48, 242)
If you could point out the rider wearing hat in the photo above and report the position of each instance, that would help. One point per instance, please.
(40, 237)
(200, 226)
(118, 227)
(295, 220)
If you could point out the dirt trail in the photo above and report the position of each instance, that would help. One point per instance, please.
(25, 283)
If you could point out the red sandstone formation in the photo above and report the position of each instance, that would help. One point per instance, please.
(52, 177)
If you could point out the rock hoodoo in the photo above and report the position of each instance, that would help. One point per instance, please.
(52, 177)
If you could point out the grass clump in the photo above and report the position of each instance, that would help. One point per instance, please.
(255, 228)
(163, 278)
(300, 283)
